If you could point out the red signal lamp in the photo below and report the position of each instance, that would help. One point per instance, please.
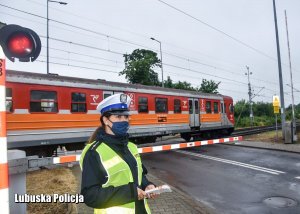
(19, 42)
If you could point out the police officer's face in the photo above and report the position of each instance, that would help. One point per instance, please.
(115, 118)
(112, 119)
(118, 118)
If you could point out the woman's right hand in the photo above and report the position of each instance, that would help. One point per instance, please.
(141, 194)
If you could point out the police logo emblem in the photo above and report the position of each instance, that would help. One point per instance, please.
(123, 98)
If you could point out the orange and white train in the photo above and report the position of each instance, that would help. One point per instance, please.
(47, 111)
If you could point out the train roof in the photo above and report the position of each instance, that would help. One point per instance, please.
(57, 80)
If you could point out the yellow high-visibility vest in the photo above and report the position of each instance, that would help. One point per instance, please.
(118, 173)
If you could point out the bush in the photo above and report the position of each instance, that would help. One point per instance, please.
(258, 121)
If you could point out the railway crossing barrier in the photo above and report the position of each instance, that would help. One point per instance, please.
(19, 164)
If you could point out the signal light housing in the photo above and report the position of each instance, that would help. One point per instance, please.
(19, 42)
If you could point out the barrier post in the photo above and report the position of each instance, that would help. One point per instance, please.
(4, 199)
(18, 166)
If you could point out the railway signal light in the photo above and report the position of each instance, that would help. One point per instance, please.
(19, 42)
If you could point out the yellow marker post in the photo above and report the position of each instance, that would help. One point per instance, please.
(276, 105)
(276, 109)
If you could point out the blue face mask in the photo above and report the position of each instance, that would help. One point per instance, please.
(120, 128)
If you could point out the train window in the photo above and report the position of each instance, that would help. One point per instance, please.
(78, 102)
(161, 105)
(107, 94)
(231, 108)
(190, 107)
(216, 107)
(177, 106)
(208, 107)
(43, 101)
(196, 107)
(143, 104)
(8, 101)
(225, 108)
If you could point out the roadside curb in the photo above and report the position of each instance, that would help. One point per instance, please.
(176, 202)
(262, 147)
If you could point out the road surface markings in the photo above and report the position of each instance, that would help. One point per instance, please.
(297, 177)
(249, 166)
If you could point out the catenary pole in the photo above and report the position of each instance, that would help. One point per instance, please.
(250, 96)
(291, 77)
(290, 65)
(280, 73)
(162, 70)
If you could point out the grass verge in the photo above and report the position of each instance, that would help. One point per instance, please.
(45, 181)
(270, 136)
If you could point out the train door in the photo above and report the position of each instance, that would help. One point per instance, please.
(194, 112)
(223, 113)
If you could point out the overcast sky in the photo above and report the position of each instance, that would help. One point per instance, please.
(214, 39)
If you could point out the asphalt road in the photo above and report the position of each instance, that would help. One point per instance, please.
(233, 180)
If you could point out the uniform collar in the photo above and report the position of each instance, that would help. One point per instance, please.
(113, 140)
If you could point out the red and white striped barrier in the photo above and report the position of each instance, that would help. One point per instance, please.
(4, 199)
(188, 144)
(74, 158)
(66, 159)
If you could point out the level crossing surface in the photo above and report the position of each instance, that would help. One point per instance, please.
(233, 180)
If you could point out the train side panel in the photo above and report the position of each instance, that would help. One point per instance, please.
(45, 112)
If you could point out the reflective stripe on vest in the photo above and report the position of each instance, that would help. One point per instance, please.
(118, 174)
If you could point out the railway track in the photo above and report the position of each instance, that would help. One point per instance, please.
(257, 130)
(254, 130)
(47, 162)
(177, 139)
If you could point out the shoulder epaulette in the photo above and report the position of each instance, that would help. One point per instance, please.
(95, 145)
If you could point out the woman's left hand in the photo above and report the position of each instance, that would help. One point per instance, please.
(151, 195)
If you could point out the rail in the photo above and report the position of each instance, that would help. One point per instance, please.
(257, 130)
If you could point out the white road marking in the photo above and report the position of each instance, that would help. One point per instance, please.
(263, 169)
(297, 177)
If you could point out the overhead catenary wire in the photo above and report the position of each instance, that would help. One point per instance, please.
(81, 61)
(179, 67)
(90, 68)
(117, 72)
(119, 28)
(199, 72)
(101, 49)
(87, 55)
(218, 30)
(83, 45)
(77, 66)
(132, 43)
(214, 67)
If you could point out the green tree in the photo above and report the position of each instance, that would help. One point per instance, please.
(263, 109)
(183, 85)
(209, 86)
(178, 85)
(139, 67)
(263, 114)
(169, 83)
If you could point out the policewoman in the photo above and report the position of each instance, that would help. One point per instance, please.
(113, 176)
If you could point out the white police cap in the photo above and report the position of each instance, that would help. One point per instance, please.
(117, 104)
